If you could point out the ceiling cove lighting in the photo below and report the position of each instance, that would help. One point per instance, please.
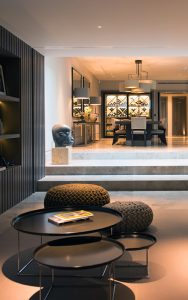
(138, 82)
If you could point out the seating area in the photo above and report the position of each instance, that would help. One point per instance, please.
(136, 216)
(95, 241)
(93, 150)
(71, 195)
(139, 131)
(104, 231)
(162, 266)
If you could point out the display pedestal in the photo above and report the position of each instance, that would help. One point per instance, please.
(61, 155)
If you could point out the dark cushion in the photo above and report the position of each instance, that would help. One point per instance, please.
(137, 216)
(76, 195)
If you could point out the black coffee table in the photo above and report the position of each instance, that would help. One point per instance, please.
(36, 223)
(76, 253)
(137, 241)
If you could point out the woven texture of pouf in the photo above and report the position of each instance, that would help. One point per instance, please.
(76, 195)
(137, 216)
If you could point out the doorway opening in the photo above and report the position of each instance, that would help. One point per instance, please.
(173, 114)
(179, 116)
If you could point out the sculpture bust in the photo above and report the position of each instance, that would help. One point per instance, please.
(62, 135)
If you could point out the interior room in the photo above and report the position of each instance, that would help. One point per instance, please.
(93, 117)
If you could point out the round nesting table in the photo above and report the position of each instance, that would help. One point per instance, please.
(80, 252)
(36, 223)
(137, 241)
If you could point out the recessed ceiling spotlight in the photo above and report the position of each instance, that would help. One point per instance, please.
(99, 26)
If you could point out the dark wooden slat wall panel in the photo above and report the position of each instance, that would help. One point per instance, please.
(26, 118)
(19, 182)
(38, 117)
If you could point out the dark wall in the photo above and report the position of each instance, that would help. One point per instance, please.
(38, 118)
(19, 182)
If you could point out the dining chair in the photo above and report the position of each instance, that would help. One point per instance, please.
(119, 131)
(138, 127)
(161, 133)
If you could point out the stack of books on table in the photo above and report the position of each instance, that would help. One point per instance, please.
(70, 216)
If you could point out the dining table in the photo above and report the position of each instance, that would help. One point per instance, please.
(138, 140)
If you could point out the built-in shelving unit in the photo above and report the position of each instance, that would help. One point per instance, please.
(9, 136)
(5, 98)
(10, 111)
(22, 112)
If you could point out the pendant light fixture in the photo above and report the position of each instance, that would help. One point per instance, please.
(138, 82)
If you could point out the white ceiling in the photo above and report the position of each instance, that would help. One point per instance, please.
(118, 68)
(154, 31)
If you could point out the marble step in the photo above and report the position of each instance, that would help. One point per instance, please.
(120, 182)
(120, 167)
(132, 154)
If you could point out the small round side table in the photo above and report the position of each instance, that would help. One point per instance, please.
(136, 242)
(76, 253)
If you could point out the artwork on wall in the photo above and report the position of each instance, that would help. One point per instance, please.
(77, 82)
(86, 83)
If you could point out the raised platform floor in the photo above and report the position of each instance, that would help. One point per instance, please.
(119, 167)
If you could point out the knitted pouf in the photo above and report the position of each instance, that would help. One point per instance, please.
(137, 216)
(76, 195)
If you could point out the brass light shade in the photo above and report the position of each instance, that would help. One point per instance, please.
(138, 90)
(131, 84)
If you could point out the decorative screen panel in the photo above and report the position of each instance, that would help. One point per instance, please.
(125, 106)
(115, 107)
(139, 105)
(111, 112)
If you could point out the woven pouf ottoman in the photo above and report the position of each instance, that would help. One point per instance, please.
(137, 216)
(71, 195)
